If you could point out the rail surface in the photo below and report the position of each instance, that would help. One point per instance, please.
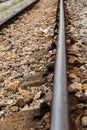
(15, 10)
(59, 117)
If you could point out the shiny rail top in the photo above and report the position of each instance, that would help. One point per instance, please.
(59, 118)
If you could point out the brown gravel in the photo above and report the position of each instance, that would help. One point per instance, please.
(26, 65)
(76, 43)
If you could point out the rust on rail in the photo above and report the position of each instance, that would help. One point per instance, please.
(59, 116)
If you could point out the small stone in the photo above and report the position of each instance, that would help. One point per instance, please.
(13, 89)
(86, 65)
(20, 102)
(1, 113)
(84, 81)
(36, 104)
(18, 75)
(85, 93)
(23, 92)
(50, 78)
(48, 96)
(40, 127)
(37, 96)
(68, 41)
(72, 76)
(84, 86)
(2, 104)
(72, 60)
(10, 101)
(82, 68)
(8, 54)
(77, 79)
(32, 73)
(25, 108)
(1, 78)
(81, 60)
(79, 94)
(78, 106)
(76, 36)
(1, 66)
(32, 81)
(14, 108)
(32, 129)
(84, 121)
(74, 87)
(75, 48)
(76, 69)
(34, 92)
(28, 99)
(44, 30)
(46, 117)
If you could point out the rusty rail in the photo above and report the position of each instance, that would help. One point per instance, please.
(59, 118)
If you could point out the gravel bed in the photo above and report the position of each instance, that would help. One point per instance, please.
(27, 55)
(76, 33)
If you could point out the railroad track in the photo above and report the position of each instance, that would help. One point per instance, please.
(14, 10)
(74, 58)
(2, 1)
(60, 101)
(27, 41)
(68, 110)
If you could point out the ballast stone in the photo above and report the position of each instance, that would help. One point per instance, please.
(84, 121)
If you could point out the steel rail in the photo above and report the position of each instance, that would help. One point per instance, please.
(59, 116)
(19, 7)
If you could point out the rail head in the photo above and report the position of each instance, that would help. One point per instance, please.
(59, 116)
